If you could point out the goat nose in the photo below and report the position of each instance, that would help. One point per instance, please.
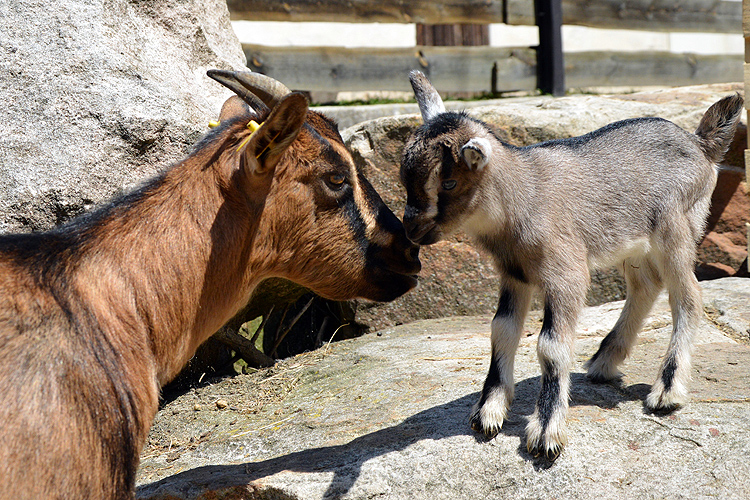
(416, 230)
(412, 253)
(411, 259)
(411, 226)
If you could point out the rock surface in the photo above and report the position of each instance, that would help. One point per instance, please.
(458, 280)
(386, 415)
(99, 94)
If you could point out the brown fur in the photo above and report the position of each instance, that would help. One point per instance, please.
(96, 315)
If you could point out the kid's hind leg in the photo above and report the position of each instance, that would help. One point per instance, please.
(670, 389)
(490, 411)
(643, 286)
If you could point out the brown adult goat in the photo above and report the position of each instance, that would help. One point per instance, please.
(97, 314)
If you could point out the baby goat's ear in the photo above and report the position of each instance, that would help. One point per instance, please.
(262, 150)
(476, 153)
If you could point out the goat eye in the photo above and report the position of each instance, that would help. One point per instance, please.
(449, 184)
(336, 180)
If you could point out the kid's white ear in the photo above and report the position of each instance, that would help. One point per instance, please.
(476, 153)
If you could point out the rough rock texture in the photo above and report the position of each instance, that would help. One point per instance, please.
(98, 94)
(456, 279)
(386, 416)
(726, 245)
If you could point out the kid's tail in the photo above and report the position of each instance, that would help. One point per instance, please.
(718, 125)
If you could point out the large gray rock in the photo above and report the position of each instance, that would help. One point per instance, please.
(456, 278)
(97, 94)
(387, 416)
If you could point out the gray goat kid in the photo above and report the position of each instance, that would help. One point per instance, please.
(634, 193)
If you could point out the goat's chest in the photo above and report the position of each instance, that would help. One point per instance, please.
(512, 256)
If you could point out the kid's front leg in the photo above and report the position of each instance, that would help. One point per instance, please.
(546, 432)
(490, 411)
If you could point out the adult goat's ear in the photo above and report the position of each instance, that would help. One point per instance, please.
(476, 153)
(263, 149)
(234, 108)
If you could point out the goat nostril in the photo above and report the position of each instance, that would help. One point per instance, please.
(412, 254)
(411, 231)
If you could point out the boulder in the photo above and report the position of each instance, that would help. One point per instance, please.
(456, 278)
(100, 94)
(387, 415)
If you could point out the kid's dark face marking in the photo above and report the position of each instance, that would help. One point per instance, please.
(439, 185)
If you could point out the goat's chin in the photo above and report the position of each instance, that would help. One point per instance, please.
(432, 236)
(386, 286)
(381, 286)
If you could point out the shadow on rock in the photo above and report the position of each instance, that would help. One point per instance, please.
(583, 392)
(346, 460)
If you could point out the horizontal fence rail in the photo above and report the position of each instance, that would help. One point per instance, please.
(479, 69)
(709, 16)
(704, 16)
(451, 69)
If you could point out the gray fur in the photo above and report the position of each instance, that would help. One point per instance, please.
(635, 193)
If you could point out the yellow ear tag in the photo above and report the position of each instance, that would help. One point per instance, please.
(254, 126)
(214, 123)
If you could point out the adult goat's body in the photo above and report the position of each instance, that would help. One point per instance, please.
(635, 193)
(96, 315)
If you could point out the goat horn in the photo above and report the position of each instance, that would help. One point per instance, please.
(228, 79)
(269, 91)
(428, 99)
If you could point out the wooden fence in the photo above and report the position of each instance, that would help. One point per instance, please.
(484, 68)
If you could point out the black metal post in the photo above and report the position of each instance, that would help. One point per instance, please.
(549, 55)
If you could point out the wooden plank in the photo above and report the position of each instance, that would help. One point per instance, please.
(477, 69)
(370, 11)
(594, 69)
(451, 69)
(713, 16)
(449, 35)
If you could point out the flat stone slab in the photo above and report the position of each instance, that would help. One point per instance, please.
(386, 415)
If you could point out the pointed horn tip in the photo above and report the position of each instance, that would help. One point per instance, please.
(415, 74)
(227, 74)
(214, 73)
(222, 76)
